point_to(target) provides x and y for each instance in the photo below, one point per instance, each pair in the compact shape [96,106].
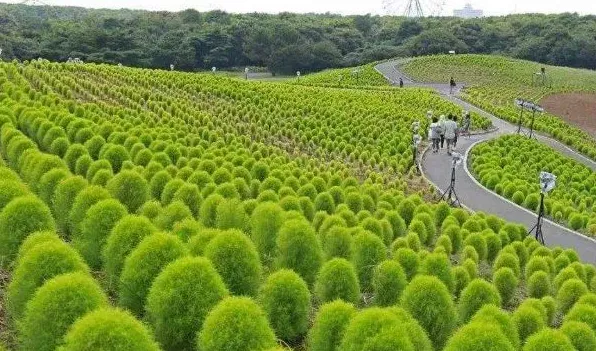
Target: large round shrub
[198,243]
[236,323]
[39,264]
[491,314]
[123,238]
[55,307]
[582,313]
[236,260]
[338,243]
[108,330]
[389,280]
[173,213]
[208,210]
[477,294]
[569,293]
[429,301]
[479,336]
[48,236]
[337,279]
[130,188]
[509,260]
[548,340]
[369,251]
[581,336]
[230,215]
[180,298]
[48,183]
[298,248]
[21,217]
[95,229]
[116,155]
[286,301]
[539,285]
[506,283]
[86,198]
[438,265]
[329,326]
[265,222]
[408,260]
[528,320]
[190,195]
[141,267]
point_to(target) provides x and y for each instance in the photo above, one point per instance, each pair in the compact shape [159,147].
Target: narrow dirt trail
[437,168]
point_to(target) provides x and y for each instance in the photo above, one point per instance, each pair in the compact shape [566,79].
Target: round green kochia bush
[581,336]
[509,260]
[265,222]
[506,283]
[108,329]
[141,267]
[338,243]
[548,340]
[286,301]
[43,237]
[39,264]
[21,217]
[298,248]
[369,251]
[230,215]
[126,234]
[462,279]
[479,336]
[173,213]
[236,260]
[236,323]
[389,281]
[158,183]
[438,265]
[477,294]
[329,326]
[130,188]
[337,279]
[490,314]
[187,228]
[55,307]
[190,195]
[180,298]
[198,243]
[408,260]
[371,323]
[86,198]
[582,313]
[539,285]
[528,321]
[95,229]
[571,291]
[62,200]
[429,301]
[48,183]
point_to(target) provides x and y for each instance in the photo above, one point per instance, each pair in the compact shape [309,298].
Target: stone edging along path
[436,170]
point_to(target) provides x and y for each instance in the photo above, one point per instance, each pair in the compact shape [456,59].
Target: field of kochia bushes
[511,165]
[149,210]
[493,83]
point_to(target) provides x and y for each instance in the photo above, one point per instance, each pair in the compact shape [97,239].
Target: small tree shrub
[528,320]
[21,217]
[461,280]
[337,280]
[490,314]
[479,336]
[506,283]
[236,323]
[55,307]
[286,301]
[477,294]
[109,330]
[298,248]
[429,301]
[265,222]
[236,260]
[141,267]
[198,243]
[173,213]
[130,188]
[180,298]
[408,260]
[438,265]
[569,293]
[86,198]
[329,326]
[539,285]
[338,243]
[231,215]
[208,211]
[369,251]
[508,260]
[37,238]
[38,264]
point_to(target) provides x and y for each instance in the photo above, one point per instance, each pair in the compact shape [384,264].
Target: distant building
[468,12]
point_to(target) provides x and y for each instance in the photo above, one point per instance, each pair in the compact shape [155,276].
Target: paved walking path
[437,168]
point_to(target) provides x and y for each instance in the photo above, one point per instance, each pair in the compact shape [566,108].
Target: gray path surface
[436,167]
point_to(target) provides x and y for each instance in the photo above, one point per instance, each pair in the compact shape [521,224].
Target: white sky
[490,7]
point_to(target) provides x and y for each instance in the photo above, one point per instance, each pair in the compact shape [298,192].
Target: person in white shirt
[435,134]
[450,133]
[442,121]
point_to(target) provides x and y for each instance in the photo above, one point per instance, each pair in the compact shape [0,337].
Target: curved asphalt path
[437,168]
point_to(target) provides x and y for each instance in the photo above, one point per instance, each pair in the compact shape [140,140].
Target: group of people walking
[446,128]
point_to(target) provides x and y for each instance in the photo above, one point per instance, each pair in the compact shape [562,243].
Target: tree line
[284,43]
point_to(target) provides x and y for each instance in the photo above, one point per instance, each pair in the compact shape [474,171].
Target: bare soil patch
[578,109]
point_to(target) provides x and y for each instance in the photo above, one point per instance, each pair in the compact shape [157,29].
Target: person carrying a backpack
[435,134]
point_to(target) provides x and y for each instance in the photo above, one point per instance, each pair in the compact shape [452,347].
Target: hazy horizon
[490,8]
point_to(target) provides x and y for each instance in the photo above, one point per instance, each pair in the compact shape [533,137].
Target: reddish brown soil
[578,109]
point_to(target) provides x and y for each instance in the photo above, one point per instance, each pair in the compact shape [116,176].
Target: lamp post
[449,194]
[547,183]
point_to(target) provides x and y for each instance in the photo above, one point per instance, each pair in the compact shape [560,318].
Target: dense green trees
[284,43]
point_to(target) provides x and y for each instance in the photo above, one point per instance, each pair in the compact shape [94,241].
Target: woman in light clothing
[442,121]
[435,134]
[450,132]
[465,128]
